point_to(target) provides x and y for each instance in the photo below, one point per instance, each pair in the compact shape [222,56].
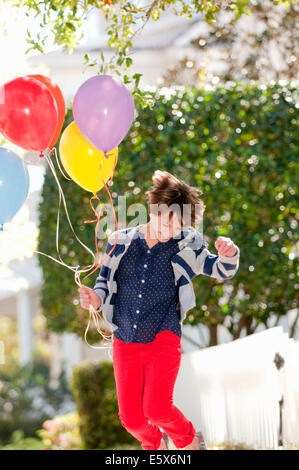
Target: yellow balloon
[82,161]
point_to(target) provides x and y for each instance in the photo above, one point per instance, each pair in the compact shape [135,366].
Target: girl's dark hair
[168,189]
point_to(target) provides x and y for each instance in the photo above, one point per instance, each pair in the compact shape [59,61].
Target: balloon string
[58,217]
[76,268]
[65,207]
[112,175]
[96,228]
[97,219]
[57,161]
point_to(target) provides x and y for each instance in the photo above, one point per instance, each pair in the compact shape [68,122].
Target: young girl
[144,290]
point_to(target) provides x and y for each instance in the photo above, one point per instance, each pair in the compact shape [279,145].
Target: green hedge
[96,401]
[239,144]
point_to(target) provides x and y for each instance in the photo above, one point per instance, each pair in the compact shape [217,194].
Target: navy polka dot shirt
[147,299]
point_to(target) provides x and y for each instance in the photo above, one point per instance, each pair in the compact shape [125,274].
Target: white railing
[231,392]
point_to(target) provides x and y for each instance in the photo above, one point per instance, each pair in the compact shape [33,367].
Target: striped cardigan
[193,259]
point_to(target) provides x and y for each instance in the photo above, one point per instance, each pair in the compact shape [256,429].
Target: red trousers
[145,374]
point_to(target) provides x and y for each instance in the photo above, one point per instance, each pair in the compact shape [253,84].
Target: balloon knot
[51,153]
[41,154]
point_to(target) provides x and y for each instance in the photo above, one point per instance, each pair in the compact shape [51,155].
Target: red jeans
[145,374]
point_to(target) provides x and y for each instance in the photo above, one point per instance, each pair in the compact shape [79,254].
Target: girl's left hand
[225,246]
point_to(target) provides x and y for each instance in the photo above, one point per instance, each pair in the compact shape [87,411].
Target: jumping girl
[144,291]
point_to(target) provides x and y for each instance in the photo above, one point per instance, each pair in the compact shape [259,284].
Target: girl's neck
[148,230]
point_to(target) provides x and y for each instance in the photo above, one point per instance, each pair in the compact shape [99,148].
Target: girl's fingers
[229,252]
[219,245]
[225,245]
[83,289]
[225,242]
[84,297]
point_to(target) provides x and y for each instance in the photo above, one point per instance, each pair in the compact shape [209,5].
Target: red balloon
[58,96]
[29,115]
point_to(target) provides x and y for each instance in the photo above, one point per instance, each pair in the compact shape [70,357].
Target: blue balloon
[14,184]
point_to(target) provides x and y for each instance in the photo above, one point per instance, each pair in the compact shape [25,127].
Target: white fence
[231,392]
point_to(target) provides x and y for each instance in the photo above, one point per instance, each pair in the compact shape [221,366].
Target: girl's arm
[220,266]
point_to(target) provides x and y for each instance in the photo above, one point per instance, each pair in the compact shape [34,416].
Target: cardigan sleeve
[101,286]
[216,266]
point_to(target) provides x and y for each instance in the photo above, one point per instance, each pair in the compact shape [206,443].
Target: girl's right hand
[88,296]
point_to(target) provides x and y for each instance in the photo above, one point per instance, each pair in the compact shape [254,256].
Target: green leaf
[70,26]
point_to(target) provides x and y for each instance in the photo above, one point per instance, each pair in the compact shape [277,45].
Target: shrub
[96,400]
[27,400]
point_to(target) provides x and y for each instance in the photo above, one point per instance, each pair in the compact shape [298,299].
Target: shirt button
[142,280]
[145,265]
[137,311]
[139,295]
[148,251]
[135,326]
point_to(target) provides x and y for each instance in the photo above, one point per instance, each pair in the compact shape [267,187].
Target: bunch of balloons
[103,111]
[32,115]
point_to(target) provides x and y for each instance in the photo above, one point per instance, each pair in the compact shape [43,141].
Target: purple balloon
[103,111]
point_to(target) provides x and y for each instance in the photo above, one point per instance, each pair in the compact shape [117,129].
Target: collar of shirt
[160,246]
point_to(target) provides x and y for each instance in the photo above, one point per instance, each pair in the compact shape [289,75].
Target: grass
[29,443]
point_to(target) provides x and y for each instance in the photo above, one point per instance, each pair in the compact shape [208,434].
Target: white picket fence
[231,392]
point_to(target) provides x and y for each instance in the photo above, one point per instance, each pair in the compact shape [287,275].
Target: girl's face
[165,225]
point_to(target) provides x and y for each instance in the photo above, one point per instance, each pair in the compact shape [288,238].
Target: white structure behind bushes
[237,391]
